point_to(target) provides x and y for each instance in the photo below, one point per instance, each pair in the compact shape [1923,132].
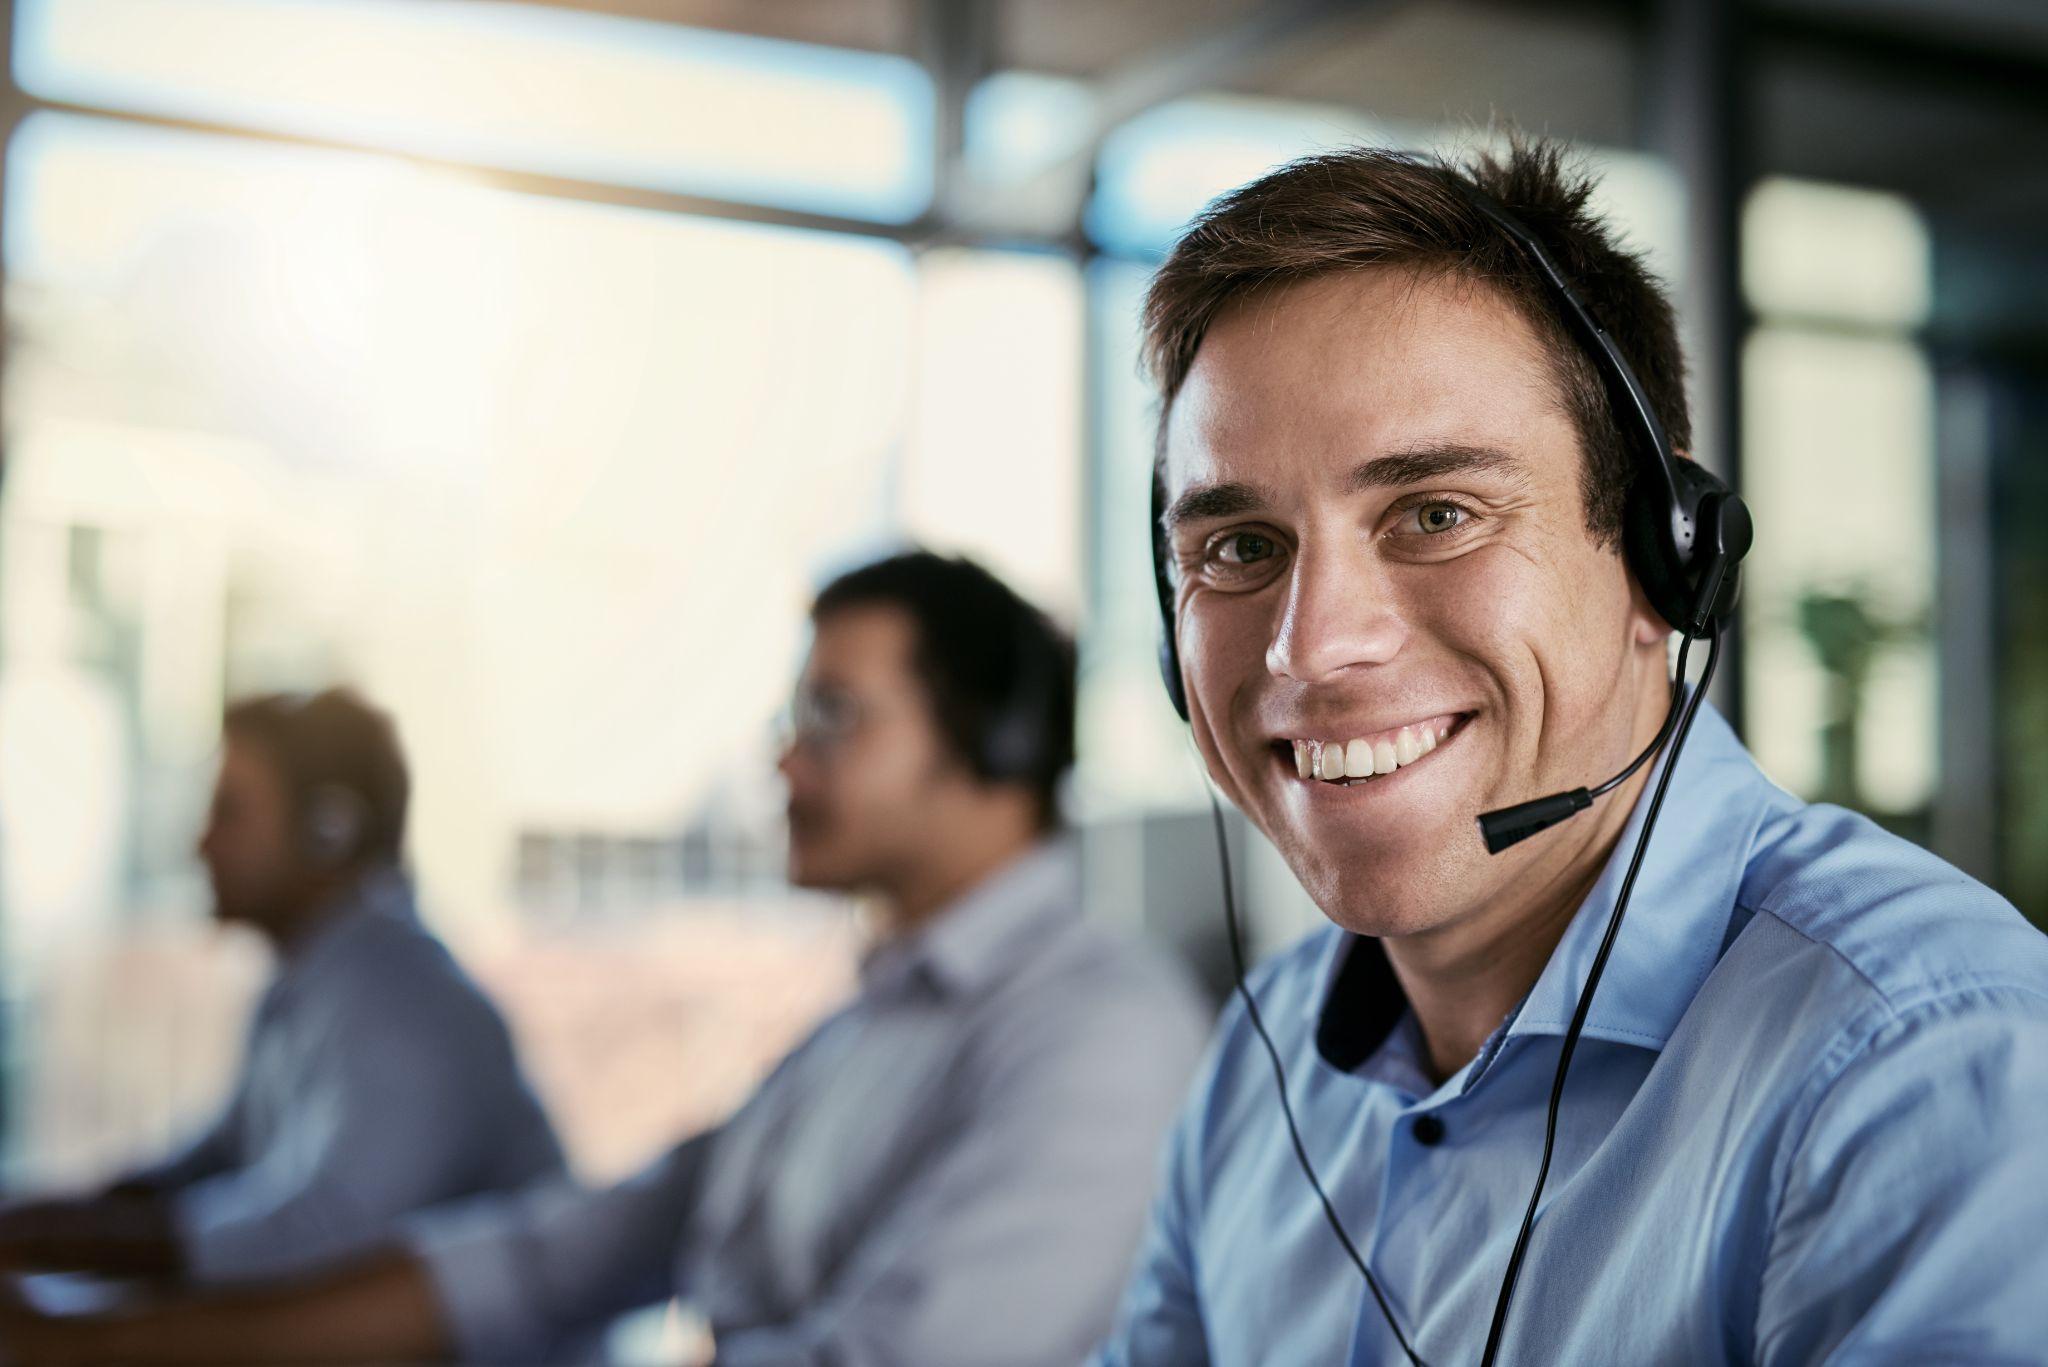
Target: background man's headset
[1684,535]
[1013,741]
[333,818]
[332,825]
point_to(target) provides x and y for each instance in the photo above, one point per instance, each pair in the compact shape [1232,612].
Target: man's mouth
[1357,759]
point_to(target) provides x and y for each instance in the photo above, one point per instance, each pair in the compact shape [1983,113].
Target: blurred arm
[518,1277]
[390,1115]
[496,1280]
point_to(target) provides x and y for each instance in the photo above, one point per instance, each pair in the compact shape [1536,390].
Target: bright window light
[524,87]
[1158,170]
[994,459]
[1833,252]
[1134,753]
[1019,122]
[281,417]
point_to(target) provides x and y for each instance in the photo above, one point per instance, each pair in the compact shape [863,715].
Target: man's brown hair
[993,666]
[1368,207]
[332,739]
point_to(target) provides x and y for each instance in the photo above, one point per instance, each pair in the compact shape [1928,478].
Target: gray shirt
[378,1081]
[952,1170]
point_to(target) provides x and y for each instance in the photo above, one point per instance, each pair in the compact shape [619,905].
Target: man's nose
[1340,613]
[796,765]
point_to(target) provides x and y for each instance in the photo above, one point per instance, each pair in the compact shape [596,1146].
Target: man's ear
[1646,625]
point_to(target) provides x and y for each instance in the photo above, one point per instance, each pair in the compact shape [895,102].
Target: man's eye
[1432,518]
[1244,548]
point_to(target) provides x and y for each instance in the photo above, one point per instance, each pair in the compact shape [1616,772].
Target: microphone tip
[1512,825]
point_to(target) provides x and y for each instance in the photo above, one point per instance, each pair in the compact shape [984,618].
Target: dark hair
[1372,207]
[332,740]
[994,666]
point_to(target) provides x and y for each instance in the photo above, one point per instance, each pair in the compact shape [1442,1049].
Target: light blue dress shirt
[1807,1122]
[378,1081]
[952,1171]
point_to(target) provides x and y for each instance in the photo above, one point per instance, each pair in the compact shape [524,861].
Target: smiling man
[1804,1119]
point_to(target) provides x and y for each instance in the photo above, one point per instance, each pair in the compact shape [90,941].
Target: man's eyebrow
[1422,464]
[1206,501]
[1416,465]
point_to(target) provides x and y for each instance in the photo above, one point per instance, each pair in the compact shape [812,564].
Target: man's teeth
[1334,761]
[1330,764]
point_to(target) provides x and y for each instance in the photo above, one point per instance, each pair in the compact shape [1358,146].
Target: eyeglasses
[820,718]
[818,721]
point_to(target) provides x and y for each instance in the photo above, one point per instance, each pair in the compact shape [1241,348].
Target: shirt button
[1428,1130]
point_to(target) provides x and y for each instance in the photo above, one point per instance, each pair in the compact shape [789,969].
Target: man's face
[249,846]
[1378,527]
[867,763]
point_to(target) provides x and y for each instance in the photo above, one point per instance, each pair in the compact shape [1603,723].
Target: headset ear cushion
[1010,750]
[333,825]
[1662,543]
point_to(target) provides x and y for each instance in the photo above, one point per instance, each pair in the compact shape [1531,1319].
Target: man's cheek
[1478,594]
[1217,675]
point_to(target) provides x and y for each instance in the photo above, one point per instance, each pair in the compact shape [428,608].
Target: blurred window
[280,417]
[992,467]
[1838,464]
[1019,123]
[520,86]
[1134,752]
[1158,170]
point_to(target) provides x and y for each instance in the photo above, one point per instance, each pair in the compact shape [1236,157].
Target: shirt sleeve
[1914,1203]
[401,1087]
[518,1277]
[1012,1240]
[1159,1323]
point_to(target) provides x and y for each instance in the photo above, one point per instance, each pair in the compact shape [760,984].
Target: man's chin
[1386,884]
[817,872]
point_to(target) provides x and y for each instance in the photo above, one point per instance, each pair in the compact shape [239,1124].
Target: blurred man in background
[378,1079]
[952,1170]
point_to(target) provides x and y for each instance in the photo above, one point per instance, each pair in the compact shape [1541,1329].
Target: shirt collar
[1677,924]
[976,939]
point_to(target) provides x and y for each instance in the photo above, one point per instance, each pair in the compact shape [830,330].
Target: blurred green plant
[1847,633]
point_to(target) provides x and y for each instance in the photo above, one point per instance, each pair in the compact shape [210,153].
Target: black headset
[1685,533]
[333,820]
[1015,741]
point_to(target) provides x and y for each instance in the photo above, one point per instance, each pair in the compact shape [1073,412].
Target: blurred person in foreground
[951,1171]
[1404,563]
[378,1080]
